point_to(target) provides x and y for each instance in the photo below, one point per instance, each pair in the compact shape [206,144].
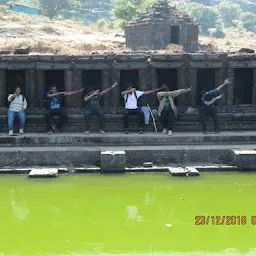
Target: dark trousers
[96,112]
[138,112]
[211,112]
[166,119]
[60,112]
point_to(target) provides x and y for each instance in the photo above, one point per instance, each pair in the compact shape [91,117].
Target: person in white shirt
[17,107]
[131,96]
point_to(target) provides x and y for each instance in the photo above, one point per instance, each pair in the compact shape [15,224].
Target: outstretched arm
[226,82]
[55,94]
[128,91]
[86,98]
[109,89]
[73,92]
[174,94]
[213,100]
[150,92]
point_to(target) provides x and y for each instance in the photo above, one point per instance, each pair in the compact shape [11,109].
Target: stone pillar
[183,83]
[231,88]
[68,84]
[115,94]
[192,82]
[144,86]
[154,84]
[254,87]
[106,84]
[78,101]
[3,93]
[41,89]
[31,93]
[220,75]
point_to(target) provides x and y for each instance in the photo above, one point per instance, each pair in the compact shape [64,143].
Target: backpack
[127,95]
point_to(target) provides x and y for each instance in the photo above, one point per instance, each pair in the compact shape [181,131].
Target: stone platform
[114,122]
[79,149]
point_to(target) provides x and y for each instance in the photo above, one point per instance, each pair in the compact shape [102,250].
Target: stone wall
[186,66]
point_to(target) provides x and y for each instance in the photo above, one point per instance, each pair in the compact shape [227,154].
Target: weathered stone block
[244,159]
[113,161]
[192,171]
[43,173]
[177,171]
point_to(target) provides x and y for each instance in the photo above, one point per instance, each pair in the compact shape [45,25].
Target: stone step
[132,139]
[135,155]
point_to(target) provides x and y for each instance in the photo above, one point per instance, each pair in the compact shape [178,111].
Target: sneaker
[11,133]
[141,130]
[87,132]
[217,132]
[164,131]
[102,132]
[50,132]
[127,131]
[55,129]
[21,131]
[170,132]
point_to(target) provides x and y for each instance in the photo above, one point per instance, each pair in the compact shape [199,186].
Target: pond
[130,214]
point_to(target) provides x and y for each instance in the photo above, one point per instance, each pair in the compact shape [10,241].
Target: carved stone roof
[161,12]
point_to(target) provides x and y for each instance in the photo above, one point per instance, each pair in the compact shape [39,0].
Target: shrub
[207,17]
[249,21]
[100,24]
[229,12]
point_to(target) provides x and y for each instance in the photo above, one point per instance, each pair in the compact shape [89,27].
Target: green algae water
[131,214]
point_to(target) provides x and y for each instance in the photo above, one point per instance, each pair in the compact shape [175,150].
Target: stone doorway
[92,80]
[15,78]
[205,81]
[243,86]
[175,34]
[54,77]
[167,76]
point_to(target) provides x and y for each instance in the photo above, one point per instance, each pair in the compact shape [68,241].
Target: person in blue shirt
[54,108]
[208,100]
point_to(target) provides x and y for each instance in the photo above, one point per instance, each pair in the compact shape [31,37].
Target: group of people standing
[166,110]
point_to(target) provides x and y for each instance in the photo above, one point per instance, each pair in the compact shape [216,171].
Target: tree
[126,10]
[51,8]
[229,12]
[206,16]
[249,21]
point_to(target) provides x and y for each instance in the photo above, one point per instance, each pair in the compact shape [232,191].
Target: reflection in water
[133,213]
[19,209]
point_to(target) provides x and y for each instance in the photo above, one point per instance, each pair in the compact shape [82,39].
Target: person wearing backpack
[17,106]
[93,107]
[131,96]
[54,108]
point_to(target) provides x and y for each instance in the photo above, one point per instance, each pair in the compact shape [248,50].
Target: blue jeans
[11,115]
[96,112]
[167,118]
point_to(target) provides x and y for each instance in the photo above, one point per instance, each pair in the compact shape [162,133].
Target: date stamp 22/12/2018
[224,220]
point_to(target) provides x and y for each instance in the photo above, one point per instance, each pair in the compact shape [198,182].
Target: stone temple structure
[35,74]
[160,26]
